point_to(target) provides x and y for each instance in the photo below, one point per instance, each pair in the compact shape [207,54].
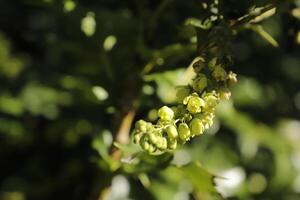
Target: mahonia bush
[194,113]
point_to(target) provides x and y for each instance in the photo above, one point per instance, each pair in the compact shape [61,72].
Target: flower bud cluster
[161,136]
[194,113]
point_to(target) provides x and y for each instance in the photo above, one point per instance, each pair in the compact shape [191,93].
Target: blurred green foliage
[71,71]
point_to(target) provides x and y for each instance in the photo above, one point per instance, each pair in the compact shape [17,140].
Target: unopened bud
[182,92]
[194,103]
[196,126]
[172,131]
[219,73]
[184,131]
[200,83]
[165,113]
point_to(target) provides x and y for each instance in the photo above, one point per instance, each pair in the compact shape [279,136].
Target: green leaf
[107,162]
[264,34]
[250,130]
[166,83]
[168,54]
[263,15]
[198,23]
[11,105]
[256,14]
[129,151]
[202,181]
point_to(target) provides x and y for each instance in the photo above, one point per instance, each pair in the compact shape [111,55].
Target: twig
[122,134]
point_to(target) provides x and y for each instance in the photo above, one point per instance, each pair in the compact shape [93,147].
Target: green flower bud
[172,131]
[219,73]
[207,120]
[137,137]
[172,143]
[159,142]
[211,100]
[149,127]
[141,125]
[144,143]
[164,144]
[182,92]
[151,148]
[197,112]
[153,138]
[165,113]
[194,103]
[196,126]
[184,131]
[200,83]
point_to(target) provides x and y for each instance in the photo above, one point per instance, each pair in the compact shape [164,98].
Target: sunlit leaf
[263,16]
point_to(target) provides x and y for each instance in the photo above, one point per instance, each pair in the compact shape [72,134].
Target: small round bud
[144,143]
[165,113]
[211,100]
[137,137]
[172,143]
[184,131]
[196,126]
[194,104]
[159,142]
[172,131]
[149,127]
[153,138]
[182,92]
[219,73]
[200,83]
[164,144]
[151,148]
[141,125]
